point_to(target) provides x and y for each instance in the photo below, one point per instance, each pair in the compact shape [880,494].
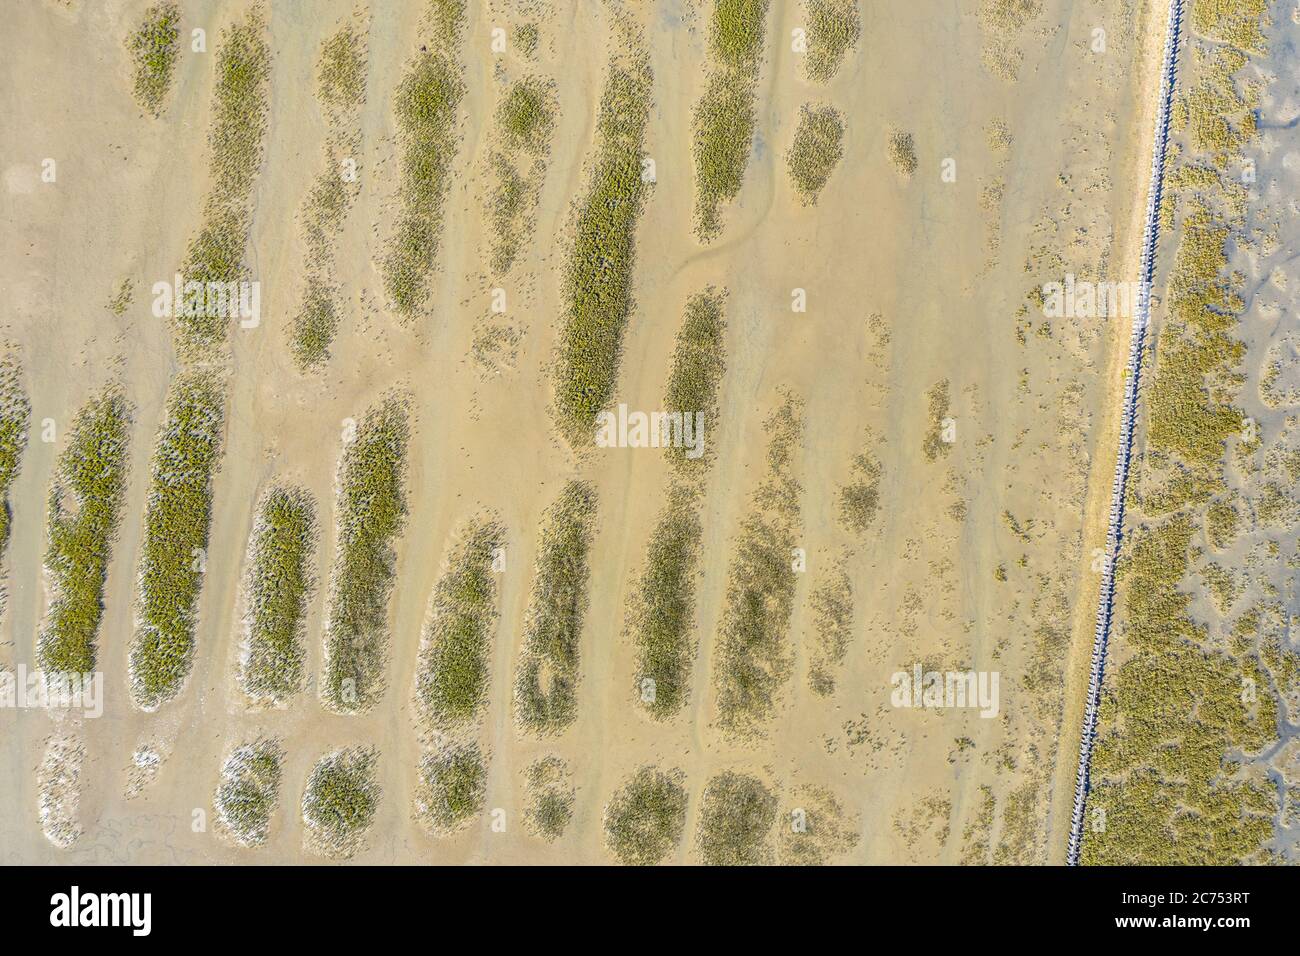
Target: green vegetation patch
[249,790]
[153,48]
[84,510]
[833,29]
[452,789]
[818,829]
[662,616]
[940,405]
[341,90]
[525,119]
[371,513]
[315,324]
[752,655]
[645,818]
[427,102]
[546,686]
[902,152]
[699,360]
[526,115]
[831,604]
[279,584]
[550,798]
[15,413]
[340,799]
[452,681]
[235,142]
[341,70]
[1238,22]
[724,116]
[176,524]
[737,814]
[860,497]
[817,149]
[598,277]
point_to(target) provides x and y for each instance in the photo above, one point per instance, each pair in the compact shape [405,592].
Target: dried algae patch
[427,103]
[85,508]
[371,513]
[153,47]
[833,29]
[452,676]
[452,788]
[249,791]
[817,149]
[598,277]
[737,816]
[546,686]
[550,798]
[177,520]
[724,116]
[339,801]
[645,818]
[278,584]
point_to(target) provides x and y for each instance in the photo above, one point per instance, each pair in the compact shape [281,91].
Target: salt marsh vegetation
[279,582]
[85,507]
[370,514]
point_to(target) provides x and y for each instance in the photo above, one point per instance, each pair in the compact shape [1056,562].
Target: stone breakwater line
[1115,528]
